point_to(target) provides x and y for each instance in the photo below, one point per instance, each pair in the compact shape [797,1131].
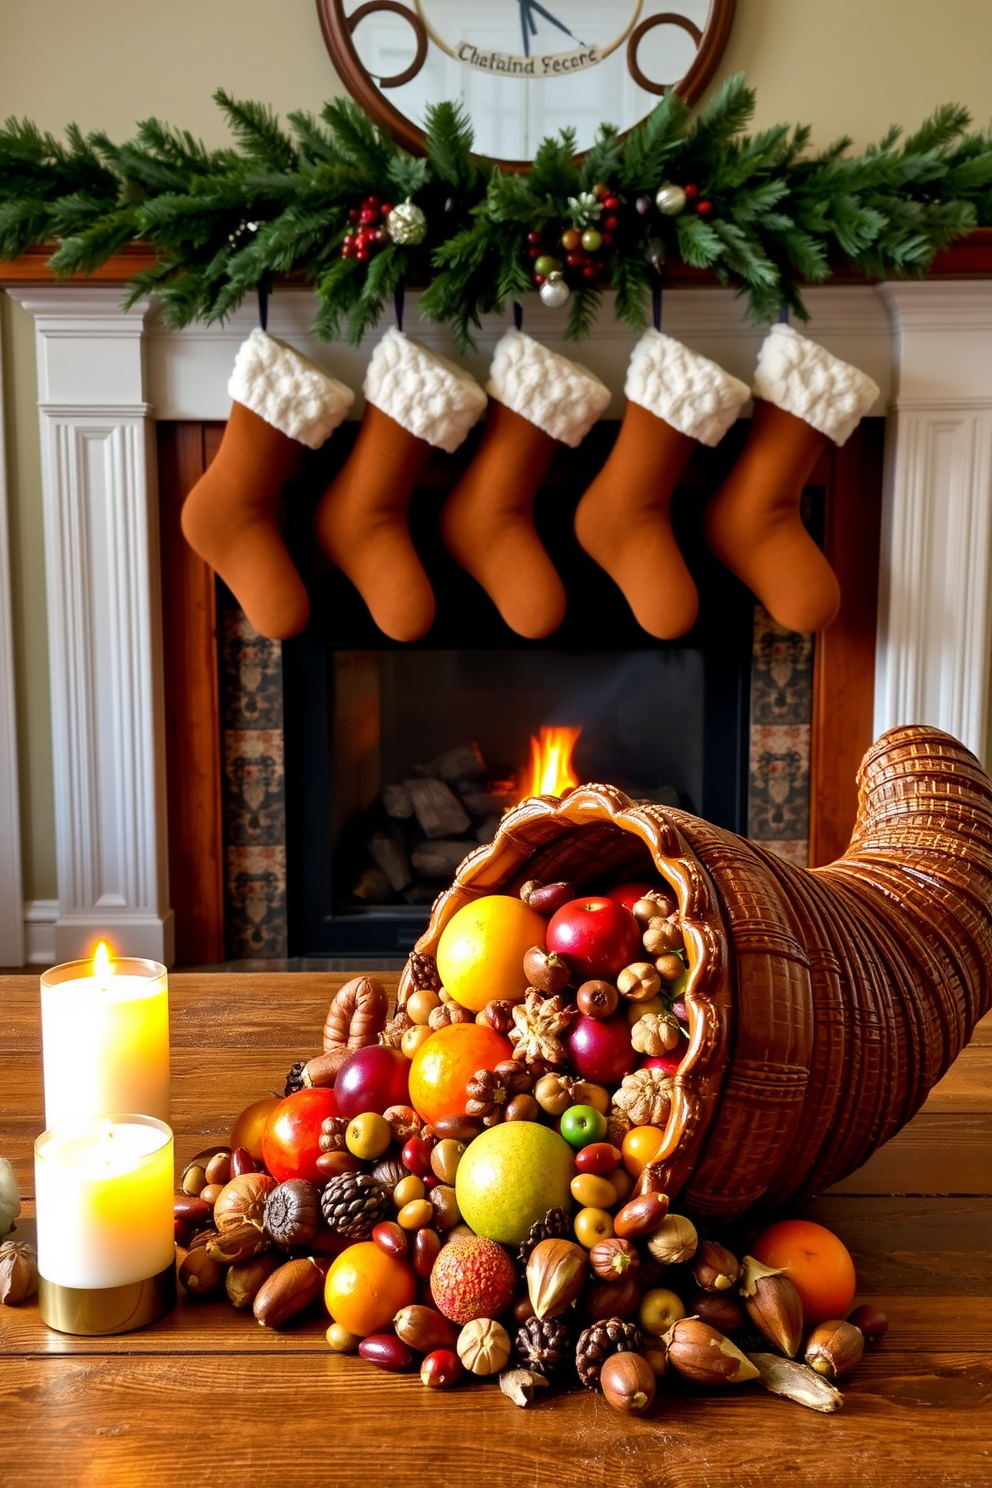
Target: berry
[371,202]
[610,224]
[571,239]
[538,278]
[589,271]
[367,214]
[574,260]
[691,192]
[353,215]
[534,237]
[607,239]
[472,1278]
[610,203]
[591,240]
[545,265]
[599,190]
[386,208]
[534,254]
[704,207]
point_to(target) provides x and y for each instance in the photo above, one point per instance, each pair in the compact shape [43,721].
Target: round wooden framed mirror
[522,69]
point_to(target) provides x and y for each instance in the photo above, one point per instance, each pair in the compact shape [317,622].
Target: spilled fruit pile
[474,1184]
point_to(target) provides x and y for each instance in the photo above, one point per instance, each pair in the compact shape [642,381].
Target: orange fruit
[445,1063]
[247,1130]
[639,1147]
[365,1288]
[817,1263]
[480,954]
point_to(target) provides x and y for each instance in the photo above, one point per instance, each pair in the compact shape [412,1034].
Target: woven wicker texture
[823,1004]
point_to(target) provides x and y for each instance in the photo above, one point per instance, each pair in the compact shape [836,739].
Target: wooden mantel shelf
[970,258]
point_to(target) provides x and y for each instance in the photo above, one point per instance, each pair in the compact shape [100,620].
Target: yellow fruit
[481,951]
[509,1178]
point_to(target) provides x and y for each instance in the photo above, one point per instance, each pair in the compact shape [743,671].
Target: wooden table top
[208,1397]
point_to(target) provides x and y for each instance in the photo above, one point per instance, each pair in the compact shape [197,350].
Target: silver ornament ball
[406,224]
[554,291]
[670,199]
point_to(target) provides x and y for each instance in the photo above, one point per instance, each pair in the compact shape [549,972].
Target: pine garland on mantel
[758,210]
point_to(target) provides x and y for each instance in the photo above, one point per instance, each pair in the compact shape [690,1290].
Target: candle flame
[551,772]
[106,1129]
[102,968]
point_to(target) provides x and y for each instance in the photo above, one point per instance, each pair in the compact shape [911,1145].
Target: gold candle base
[96,1311]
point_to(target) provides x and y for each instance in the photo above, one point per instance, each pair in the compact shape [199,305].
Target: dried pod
[237,1244]
[705,1355]
[773,1305]
[645,1097]
[18,1272]
[639,982]
[483,1346]
[546,898]
[287,1291]
[244,1278]
[292,1212]
[793,1380]
[199,1273]
[674,1241]
[242,1201]
[628,1382]
[833,1348]
[391,1036]
[521,1385]
[425,1329]
[640,1216]
[556,1272]
[612,1259]
[872,1322]
[356,1016]
[714,1268]
[545,970]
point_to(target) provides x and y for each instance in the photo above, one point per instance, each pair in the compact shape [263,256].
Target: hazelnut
[628,1382]
[773,1305]
[639,982]
[674,1240]
[655,905]
[714,1268]
[546,898]
[833,1348]
[661,935]
[669,967]
[703,1354]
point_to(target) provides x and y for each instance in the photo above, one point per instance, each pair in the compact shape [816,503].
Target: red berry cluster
[696,203]
[367,231]
[578,248]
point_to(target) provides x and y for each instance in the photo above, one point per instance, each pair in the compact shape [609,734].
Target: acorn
[773,1305]
[703,1354]
[628,1382]
[833,1348]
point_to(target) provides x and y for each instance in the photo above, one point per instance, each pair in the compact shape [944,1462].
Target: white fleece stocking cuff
[424,393]
[802,378]
[685,389]
[560,397]
[288,390]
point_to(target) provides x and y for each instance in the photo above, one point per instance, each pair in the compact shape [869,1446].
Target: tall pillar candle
[105,1039]
[106,1252]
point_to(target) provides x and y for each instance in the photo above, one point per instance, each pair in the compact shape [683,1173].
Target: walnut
[655,1033]
[499,1015]
[449,1012]
[490,1090]
[538,1023]
[645,1097]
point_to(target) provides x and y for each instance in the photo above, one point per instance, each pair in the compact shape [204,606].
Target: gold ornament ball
[670,199]
[554,291]
[406,224]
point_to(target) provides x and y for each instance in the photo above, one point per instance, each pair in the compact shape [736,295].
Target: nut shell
[556,1273]
[773,1305]
[833,1348]
[242,1201]
[704,1355]
[628,1382]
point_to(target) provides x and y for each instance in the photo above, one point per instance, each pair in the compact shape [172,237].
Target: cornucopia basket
[823,1004]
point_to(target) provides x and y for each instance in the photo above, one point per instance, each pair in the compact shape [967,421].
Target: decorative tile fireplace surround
[105,377]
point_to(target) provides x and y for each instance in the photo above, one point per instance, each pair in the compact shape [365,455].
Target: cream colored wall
[844,66]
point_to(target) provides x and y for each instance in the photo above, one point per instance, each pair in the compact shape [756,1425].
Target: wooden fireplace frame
[843,686]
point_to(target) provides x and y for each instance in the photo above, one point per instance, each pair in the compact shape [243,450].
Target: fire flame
[102,969]
[551,772]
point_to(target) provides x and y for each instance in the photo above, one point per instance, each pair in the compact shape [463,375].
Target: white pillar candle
[105,1039]
[104,1197]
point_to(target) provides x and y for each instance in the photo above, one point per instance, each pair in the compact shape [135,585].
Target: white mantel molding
[104,622]
[11,885]
[103,376]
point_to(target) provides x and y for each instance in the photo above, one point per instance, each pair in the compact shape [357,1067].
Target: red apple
[372,1079]
[600,1048]
[291,1137]
[595,938]
[628,894]
[667,1063]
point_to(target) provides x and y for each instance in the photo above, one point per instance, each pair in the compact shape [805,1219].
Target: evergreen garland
[764,214]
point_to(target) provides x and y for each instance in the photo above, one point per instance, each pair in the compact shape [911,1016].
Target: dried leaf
[796,1382]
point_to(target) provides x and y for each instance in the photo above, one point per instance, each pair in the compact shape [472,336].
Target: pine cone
[294,1079]
[544,1345]
[354,1203]
[423,971]
[596,1344]
[489,1090]
[555,1225]
[332,1130]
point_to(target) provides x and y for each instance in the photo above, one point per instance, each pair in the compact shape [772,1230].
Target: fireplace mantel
[104,377]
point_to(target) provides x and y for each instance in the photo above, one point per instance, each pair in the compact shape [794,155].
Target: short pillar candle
[106,1250]
[105,1038]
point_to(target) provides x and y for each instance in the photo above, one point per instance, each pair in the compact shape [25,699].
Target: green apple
[581,1125]
[509,1178]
